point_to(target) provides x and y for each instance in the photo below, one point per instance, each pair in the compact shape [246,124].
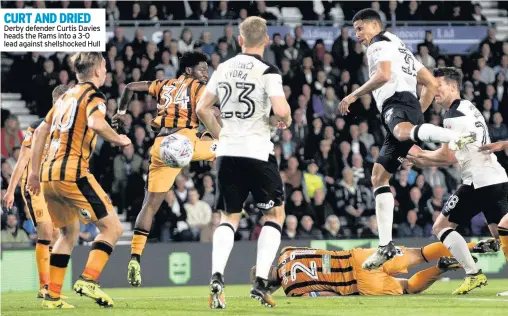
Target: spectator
[362,75]
[12,234]
[169,70]
[229,38]
[377,7]
[129,59]
[330,68]
[312,181]
[208,192]
[299,127]
[487,110]
[281,161]
[199,213]
[223,50]
[498,130]
[424,57]
[433,208]
[392,17]
[261,8]
[433,13]
[491,95]
[342,47]
[371,230]
[11,136]
[365,137]
[257,229]
[361,175]
[414,12]
[181,192]
[321,207]
[185,43]
[297,206]
[223,13]
[503,69]
[307,230]
[410,228]
[14,157]
[153,14]
[457,14]
[489,57]
[300,43]
[136,12]
[355,59]
[477,14]
[290,232]
[487,75]
[288,145]
[326,161]
[433,49]
[208,46]
[434,177]
[332,229]
[167,38]
[501,89]
[124,165]
[207,231]
[139,43]
[331,103]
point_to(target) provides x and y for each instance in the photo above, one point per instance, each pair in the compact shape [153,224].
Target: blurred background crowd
[325,159]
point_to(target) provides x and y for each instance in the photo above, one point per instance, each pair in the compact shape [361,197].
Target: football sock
[57,268]
[268,245]
[437,250]
[422,280]
[458,248]
[430,133]
[42,259]
[97,259]
[503,236]
[223,240]
[384,213]
[138,243]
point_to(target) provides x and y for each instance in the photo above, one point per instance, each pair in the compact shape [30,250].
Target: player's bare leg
[151,205]
[110,230]
[268,245]
[445,231]
[223,240]
[59,260]
[384,215]
[45,237]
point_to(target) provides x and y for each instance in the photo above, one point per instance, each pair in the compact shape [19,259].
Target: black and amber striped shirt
[305,270]
[176,101]
[71,141]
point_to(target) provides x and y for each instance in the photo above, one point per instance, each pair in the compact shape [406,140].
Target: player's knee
[438,227]
[277,214]
[402,131]
[44,231]
[378,180]
[116,230]
[504,221]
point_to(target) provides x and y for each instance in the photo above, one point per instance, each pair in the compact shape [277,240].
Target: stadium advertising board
[176,264]
[450,39]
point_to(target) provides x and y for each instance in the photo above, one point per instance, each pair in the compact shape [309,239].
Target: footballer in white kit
[393,77]
[247,88]
[484,185]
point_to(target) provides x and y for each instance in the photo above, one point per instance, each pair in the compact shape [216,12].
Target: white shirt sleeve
[273,85]
[211,86]
[379,51]
[418,65]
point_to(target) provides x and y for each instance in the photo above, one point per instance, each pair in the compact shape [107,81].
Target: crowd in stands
[325,159]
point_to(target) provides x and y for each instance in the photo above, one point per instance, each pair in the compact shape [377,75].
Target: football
[176,150]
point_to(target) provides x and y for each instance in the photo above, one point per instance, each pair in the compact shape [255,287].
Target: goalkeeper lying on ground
[312,272]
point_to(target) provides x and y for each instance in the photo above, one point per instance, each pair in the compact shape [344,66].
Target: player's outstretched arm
[380,77]
[101,127]
[430,85]
[127,93]
[19,167]
[427,158]
[490,148]
[206,113]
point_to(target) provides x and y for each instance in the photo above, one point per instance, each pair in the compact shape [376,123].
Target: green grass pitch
[194,301]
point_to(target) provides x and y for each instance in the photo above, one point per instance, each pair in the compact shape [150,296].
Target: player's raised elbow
[383,77]
[42,130]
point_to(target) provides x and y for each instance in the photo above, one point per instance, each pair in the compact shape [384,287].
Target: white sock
[458,247]
[223,240]
[268,245]
[431,133]
[384,213]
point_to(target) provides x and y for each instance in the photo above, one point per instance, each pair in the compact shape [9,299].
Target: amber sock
[42,259]
[97,259]
[422,280]
[437,250]
[503,236]
[138,243]
[57,268]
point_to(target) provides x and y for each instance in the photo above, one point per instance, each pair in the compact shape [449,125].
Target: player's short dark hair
[192,59]
[367,14]
[450,74]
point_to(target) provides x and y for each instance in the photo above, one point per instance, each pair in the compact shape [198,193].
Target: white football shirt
[477,168]
[404,66]
[244,85]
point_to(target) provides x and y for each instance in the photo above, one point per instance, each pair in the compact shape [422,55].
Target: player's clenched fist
[123,141]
